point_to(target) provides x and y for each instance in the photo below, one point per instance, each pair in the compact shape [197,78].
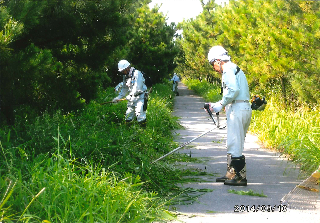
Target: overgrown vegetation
[294,133]
[56,189]
[89,165]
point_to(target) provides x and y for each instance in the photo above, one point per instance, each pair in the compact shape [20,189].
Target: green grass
[248,193]
[72,192]
[89,166]
[295,134]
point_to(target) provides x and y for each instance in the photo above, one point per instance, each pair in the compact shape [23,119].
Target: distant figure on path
[175,80]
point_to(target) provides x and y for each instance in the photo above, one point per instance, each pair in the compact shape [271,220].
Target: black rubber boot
[239,179]
[230,171]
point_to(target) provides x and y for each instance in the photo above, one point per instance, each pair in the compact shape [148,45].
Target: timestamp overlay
[260,208]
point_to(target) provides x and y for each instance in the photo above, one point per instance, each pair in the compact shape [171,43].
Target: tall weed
[93,166]
[73,192]
[295,133]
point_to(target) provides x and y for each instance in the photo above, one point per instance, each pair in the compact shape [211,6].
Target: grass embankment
[89,166]
[293,133]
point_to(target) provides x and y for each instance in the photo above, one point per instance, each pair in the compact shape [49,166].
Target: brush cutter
[108,102]
[216,123]
[123,99]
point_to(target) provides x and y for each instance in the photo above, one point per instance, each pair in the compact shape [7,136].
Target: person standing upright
[235,99]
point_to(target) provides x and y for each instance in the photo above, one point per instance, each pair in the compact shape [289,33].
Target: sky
[177,10]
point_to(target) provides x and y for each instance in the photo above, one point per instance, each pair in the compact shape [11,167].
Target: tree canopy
[276,43]
[56,54]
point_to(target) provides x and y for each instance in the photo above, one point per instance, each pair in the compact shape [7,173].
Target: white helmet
[123,64]
[218,52]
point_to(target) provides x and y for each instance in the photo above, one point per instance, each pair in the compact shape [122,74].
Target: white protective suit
[175,80]
[236,98]
[134,89]
[118,87]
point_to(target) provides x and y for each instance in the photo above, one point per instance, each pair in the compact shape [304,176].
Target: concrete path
[267,173]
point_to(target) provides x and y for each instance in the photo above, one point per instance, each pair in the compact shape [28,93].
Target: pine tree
[276,43]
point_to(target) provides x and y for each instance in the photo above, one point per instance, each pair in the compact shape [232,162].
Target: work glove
[129,97]
[207,106]
[216,107]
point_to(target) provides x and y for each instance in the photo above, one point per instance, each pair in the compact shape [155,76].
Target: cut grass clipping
[249,193]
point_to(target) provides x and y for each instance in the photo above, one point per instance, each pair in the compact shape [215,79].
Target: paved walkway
[267,172]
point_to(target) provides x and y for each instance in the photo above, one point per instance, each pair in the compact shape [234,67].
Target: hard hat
[218,52]
[123,64]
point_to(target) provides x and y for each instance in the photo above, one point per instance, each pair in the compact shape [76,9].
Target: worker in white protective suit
[235,99]
[175,80]
[135,91]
